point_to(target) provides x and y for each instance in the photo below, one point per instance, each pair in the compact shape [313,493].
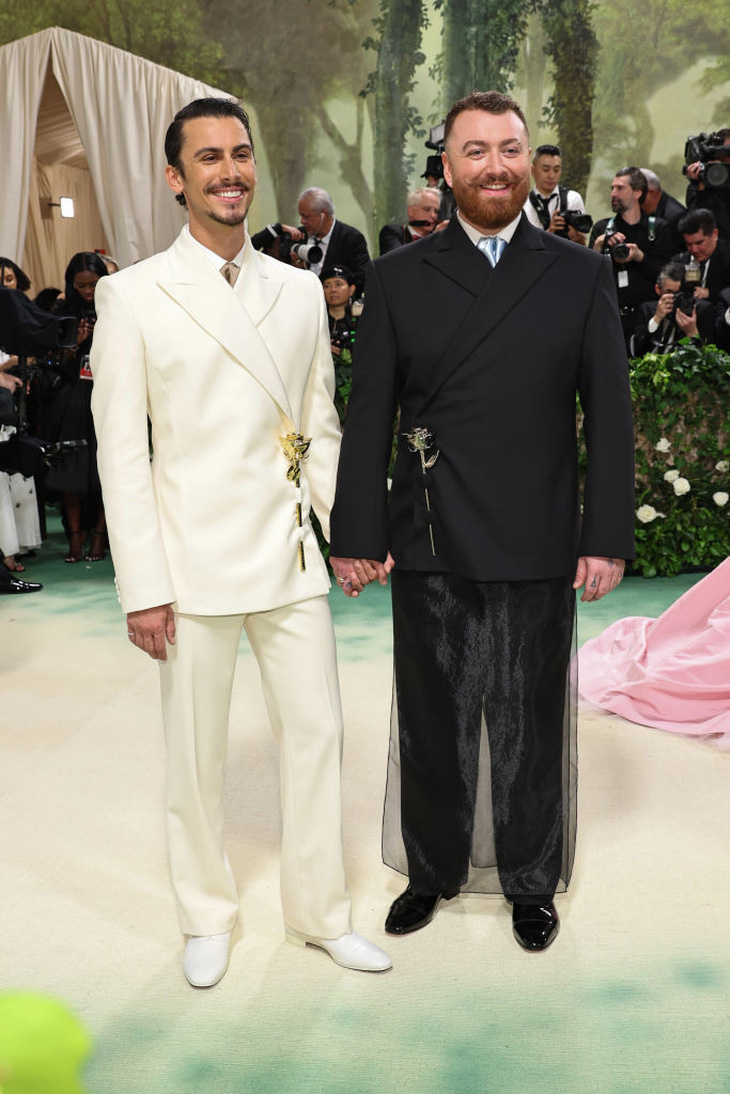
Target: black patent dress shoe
[534,926]
[15,585]
[411,911]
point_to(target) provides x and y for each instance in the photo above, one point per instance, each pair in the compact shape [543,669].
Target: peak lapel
[230,315]
[522,264]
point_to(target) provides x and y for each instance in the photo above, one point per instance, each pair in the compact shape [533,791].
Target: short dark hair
[201,108]
[210,107]
[491,102]
[699,220]
[547,150]
[636,177]
[21,279]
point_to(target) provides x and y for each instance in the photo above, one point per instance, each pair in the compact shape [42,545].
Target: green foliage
[168,32]
[399,27]
[682,424]
[481,44]
[572,47]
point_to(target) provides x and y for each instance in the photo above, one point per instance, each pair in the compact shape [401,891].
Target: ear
[447,167]
[174,179]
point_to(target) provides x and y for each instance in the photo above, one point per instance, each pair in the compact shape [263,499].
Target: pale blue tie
[492,247]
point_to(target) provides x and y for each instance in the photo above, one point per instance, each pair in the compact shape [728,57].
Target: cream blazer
[210,524]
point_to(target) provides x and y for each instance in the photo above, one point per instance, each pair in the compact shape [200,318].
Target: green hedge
[682,425]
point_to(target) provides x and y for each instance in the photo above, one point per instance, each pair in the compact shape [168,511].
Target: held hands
[151,629]
[599,575]
[353,574]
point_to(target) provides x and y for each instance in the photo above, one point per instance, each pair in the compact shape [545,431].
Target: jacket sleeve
[321,422]
[360,516]
[119,405]
[605,396]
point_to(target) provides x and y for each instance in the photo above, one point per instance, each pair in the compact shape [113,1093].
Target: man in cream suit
[227,351]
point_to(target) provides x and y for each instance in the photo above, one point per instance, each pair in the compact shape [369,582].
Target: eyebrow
[486,144]
[211,148]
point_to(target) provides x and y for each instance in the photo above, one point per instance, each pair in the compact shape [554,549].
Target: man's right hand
[664,306]
[151,629]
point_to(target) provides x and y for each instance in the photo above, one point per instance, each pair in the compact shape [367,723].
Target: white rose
[647,513]
[681,486]
[720,498]
[671,476]
[722,465]
[663,445]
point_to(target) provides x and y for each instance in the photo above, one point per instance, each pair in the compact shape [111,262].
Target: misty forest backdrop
[342,92]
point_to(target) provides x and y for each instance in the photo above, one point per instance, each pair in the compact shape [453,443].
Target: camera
[343,338]
[708,149]
[311,253]
[582,222]
[683,301]
[618,250]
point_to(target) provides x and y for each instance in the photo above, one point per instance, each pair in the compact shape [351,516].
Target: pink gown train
[673,672]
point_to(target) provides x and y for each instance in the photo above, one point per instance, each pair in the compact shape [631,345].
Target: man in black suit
[702,243]
[339,243]
[482,530]
[657,202]
[423,216]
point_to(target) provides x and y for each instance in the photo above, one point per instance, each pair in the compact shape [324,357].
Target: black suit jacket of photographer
[718,275]
[641,275]
[645,341]
[490,361]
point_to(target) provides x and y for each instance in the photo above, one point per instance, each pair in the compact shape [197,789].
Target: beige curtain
[23,67]
[52,240]
[121,106]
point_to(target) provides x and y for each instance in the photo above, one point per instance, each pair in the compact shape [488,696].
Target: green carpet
[632,996]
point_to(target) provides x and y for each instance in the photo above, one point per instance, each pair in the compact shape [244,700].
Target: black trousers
[464,649]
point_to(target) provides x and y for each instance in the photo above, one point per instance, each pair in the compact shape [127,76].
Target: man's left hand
[599,575]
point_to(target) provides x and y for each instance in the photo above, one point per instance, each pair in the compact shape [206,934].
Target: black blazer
[393,236]
[490,362]
[348,247]
[718,277]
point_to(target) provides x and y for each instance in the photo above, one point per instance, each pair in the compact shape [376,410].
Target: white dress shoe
[206,959]
[349,950]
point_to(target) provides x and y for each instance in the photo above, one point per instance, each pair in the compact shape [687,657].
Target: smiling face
[217,175]
[487,165]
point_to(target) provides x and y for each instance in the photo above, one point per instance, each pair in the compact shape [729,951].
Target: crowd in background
[670,262]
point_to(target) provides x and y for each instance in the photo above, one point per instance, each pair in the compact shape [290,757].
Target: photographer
[639,245]
[339,289]
[657,202]
[553,207]
[707,167]
[661,324]
[423,218]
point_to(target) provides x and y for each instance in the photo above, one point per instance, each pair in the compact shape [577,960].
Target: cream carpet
[633,996]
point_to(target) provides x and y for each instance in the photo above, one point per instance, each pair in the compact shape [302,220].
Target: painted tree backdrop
[343,91]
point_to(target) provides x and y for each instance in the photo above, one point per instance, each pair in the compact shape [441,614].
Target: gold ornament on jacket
[295,447]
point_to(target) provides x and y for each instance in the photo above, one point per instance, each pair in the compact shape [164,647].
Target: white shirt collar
[213,258]
[505,233]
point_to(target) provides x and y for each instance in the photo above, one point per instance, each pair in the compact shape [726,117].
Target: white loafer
[349,950]
[206,959]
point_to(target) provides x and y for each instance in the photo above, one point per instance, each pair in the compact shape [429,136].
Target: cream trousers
[295,650]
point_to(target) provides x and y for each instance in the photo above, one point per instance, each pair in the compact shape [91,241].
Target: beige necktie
[230,272]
